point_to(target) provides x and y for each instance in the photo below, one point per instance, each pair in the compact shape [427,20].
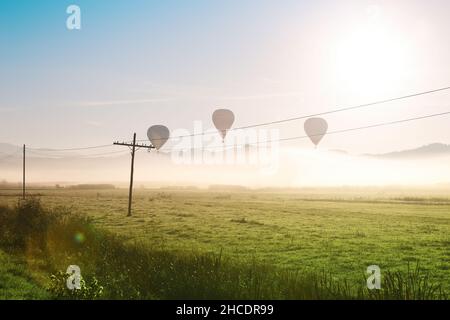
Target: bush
[31,223]
[7,236]
[25,225]
[89,289]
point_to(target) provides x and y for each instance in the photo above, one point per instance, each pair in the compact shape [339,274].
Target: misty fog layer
[284,167]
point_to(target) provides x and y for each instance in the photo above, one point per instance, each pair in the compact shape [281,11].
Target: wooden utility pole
[23,174]
[133,147]
[130,192]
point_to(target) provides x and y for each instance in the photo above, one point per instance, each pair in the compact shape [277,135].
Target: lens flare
[79,237]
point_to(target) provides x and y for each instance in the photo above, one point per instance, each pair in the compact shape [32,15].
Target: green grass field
[16,281]
[339,232]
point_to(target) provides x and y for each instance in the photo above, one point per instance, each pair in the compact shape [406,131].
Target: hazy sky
[138,63]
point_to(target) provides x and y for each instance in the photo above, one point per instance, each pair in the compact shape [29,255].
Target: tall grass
[113,268]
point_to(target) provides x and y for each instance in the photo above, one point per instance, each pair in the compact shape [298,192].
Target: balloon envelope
[316,128]
[223,120]
[158,135]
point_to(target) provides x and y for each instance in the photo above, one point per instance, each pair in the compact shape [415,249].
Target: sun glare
[373,58]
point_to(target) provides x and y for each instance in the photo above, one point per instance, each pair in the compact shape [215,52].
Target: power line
[71,149]
[97,155]
[83,156]
[264,123]
[304,136]
[92,156]
[360,106]
[336,131]
[348,108]
[378,124]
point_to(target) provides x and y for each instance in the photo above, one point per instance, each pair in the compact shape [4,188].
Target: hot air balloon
[223,120]
[316,128]
[158,135]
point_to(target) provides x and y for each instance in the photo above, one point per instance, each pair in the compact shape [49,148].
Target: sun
[374,57]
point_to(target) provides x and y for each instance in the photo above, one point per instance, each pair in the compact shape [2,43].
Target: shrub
[89,289]
[25,225]
[7,217]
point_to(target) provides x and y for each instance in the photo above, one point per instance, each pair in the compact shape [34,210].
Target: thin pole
[23,175]
[130,195]
[133,150]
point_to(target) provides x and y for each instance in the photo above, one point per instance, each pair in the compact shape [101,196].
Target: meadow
[334,232]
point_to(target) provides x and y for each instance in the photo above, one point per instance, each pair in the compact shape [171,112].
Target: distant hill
[92,186]
[6,148]
[225,187]
[158,168]
[430,150]
[338,151]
